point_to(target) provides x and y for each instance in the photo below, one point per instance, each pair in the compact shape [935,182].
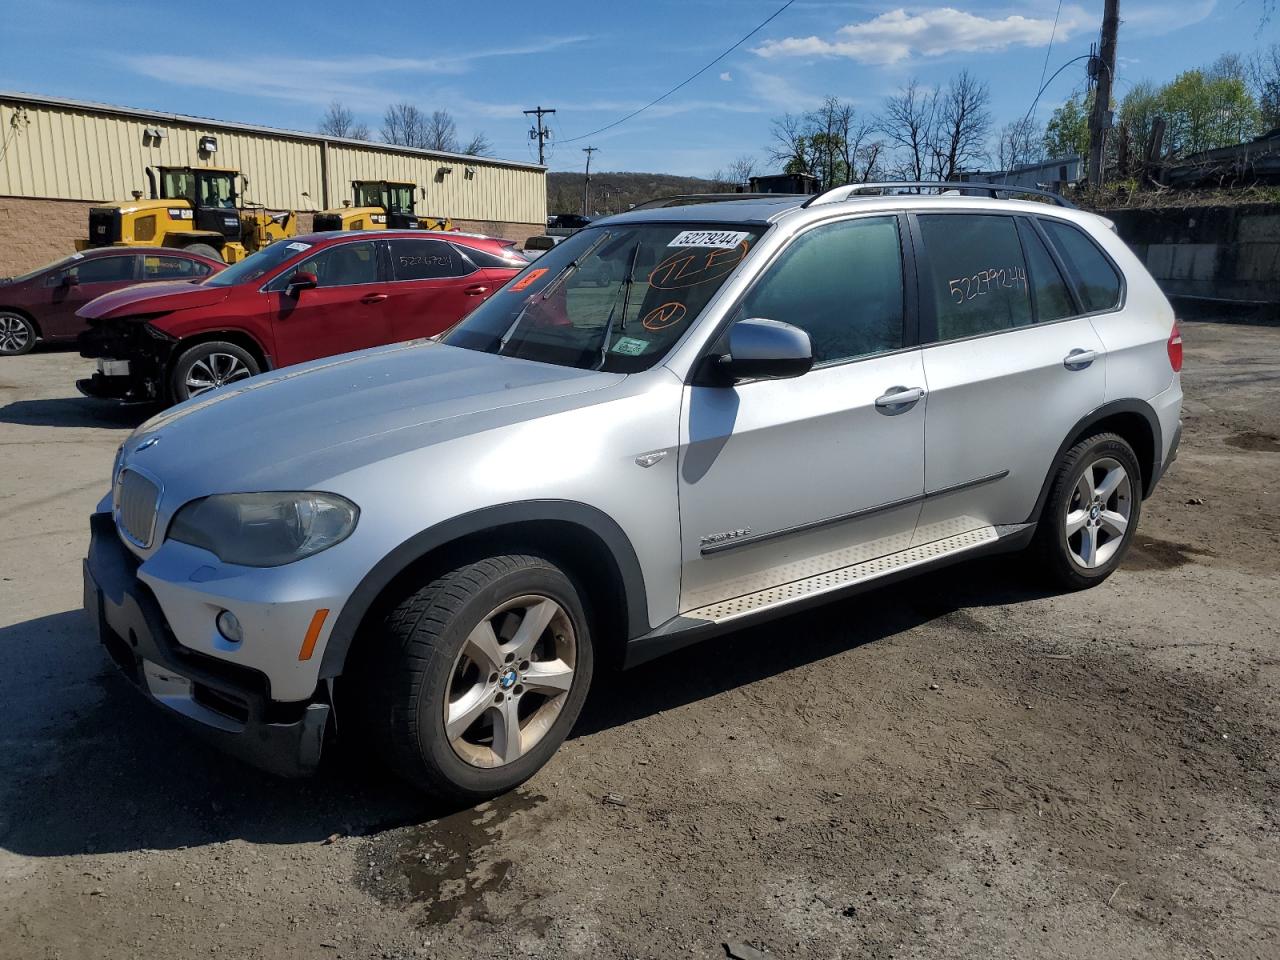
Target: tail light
[1175,348]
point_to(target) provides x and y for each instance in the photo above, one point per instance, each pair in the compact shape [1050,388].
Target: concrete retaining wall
[1208,253]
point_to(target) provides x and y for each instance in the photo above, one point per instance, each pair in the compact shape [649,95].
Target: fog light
[230,627]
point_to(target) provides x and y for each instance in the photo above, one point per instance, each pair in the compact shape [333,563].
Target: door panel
[95,276]
[434,287]
[346,312]
[775,465]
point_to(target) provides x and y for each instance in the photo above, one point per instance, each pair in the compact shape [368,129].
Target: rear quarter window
[1096,280]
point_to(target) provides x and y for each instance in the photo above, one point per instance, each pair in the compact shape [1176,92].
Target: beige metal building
[59,157]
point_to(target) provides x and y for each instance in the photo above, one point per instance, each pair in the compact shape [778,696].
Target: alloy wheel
[1098,513]
[15,335]
[510,681]
[215,370]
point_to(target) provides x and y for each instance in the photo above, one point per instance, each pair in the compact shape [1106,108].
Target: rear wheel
[17,334]
[472,682]
[207,366]
[1092,512]
[204,250]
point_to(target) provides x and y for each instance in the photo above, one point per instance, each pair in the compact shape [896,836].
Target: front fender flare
[590,519]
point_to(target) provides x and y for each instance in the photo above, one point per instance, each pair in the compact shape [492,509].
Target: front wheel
[1092,512]
[207,366]
[17,334]
[204,250]
[471,683]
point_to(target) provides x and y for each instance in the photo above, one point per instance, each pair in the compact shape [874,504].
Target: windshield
[48,266]
[217,190]
[257,266]
[401,197]
[609,298]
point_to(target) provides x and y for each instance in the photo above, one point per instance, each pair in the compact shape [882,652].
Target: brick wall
[36,232]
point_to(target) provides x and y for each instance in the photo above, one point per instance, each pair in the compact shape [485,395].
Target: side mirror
[69,279]
[301,281]
[765,350]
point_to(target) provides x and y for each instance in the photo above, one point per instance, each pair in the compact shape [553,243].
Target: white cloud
[898,35]
[727,77]
[1154,20]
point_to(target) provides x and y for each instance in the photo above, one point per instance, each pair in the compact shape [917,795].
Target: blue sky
[281,63]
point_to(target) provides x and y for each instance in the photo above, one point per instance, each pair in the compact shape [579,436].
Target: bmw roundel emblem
[149,442]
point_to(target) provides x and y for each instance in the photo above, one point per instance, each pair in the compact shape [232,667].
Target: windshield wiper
[626,301]
[572,266]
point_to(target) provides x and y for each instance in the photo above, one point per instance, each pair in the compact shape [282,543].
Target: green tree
[1204,112]
[1067,131]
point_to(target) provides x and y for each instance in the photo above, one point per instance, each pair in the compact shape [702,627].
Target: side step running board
[922,555]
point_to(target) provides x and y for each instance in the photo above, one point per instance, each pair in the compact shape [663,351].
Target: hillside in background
[616,192]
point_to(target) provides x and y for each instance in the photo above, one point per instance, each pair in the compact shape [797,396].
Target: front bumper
[226,704]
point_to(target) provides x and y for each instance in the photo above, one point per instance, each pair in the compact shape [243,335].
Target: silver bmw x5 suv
[678,421]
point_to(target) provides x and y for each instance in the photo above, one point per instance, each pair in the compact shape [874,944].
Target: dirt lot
[957,767]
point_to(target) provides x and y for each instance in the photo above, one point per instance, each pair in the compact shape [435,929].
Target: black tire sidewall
[438,755]
[188,357]
[31,335]
[1082,457]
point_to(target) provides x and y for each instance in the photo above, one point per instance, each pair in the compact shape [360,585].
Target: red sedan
[319,295]
[42,304]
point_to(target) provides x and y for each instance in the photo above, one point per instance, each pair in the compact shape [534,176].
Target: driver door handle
[373,298]
[898,399]
[476,290]
[1079,359]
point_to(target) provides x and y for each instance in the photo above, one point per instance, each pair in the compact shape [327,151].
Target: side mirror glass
[69,279]
[765,350]
[301,281]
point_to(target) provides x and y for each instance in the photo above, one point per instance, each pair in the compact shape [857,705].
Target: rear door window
[172,268]
[978,275]
[1095,278]
[427,260]
[1049,290]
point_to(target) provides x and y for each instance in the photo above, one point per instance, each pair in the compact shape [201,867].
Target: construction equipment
[196,208]
[379,205]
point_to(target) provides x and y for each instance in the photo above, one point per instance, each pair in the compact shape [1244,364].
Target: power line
[1052,33]
[760,26]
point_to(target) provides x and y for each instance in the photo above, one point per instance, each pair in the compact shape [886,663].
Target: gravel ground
[958,766]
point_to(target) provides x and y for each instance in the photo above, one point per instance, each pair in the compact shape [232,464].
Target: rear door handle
[373,298]
[476,290]
[898,399]
[1078,359]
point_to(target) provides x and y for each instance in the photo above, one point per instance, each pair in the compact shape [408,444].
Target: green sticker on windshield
[629,346]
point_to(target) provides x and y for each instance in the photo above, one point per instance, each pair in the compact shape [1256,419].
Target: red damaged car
[303,299]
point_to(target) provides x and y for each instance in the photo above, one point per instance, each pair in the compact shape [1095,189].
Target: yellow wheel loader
[379,205]
[197,208]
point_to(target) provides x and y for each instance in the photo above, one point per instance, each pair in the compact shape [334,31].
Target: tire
[207,366]
[204,250]
[17,334]
[1079,538]
[426,661]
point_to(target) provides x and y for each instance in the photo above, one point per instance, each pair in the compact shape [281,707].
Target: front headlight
[265,529]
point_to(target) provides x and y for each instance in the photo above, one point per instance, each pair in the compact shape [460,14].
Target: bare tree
[478,146]
[742,168]
[791,145]
[404,125]
[1018,143]
[962,122]
[908,121]
[338,121]
[440,132]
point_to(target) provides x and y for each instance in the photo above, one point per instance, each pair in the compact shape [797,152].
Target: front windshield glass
[609,298]
[48,266]
[257,266]
[401,197]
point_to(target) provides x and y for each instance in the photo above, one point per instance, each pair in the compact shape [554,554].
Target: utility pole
[586,184]
[1103,70]
[541,134]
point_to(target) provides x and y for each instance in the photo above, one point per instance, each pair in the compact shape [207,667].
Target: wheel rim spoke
[508,742]
[464,712]
[1084,488]
[1110,483]
[1076,520]
[482,647]
[550,676]
[536,619]
[1089,546]
[1114,523]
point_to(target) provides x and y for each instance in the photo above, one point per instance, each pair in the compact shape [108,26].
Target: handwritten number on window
[963,289]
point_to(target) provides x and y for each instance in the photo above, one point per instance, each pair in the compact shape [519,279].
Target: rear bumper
[225,704]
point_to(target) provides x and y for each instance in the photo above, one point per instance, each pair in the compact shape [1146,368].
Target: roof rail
[892,187]
[687,198]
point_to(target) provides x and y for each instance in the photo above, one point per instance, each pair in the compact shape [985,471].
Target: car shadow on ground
[112,774]
[75,412]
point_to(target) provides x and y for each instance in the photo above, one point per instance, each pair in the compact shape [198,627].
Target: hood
[149,299]
[296,428]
